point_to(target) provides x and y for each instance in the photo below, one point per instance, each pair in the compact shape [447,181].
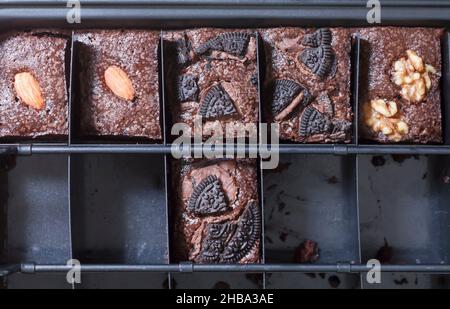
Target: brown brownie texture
[213,74]
[381,48]
[42,58]
[307,83]
[216,212]
[105,110]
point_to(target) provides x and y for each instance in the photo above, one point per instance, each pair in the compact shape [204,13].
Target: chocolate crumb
[424,176]
[332,180]
[378,161]
[271,187]
[334,281]
[283,237]
[221,285]
[384,254]
[400,158]
[401,281]
[307,252]
[322,275]
[256,279]
[311,275]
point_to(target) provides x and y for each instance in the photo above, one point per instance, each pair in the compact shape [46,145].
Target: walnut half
[378,115]
[412,75]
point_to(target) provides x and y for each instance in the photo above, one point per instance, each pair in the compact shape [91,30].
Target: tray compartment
[119,214]
[311,197]
[404,200]
[35,200]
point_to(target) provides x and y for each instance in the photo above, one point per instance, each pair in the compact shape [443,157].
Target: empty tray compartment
[311,197]
[119,216]
[404,212]
[35,206]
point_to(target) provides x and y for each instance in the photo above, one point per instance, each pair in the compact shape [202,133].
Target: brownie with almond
[216,212]
[400,95]
[307,83]
[213,79]
[33,85]
[118,84]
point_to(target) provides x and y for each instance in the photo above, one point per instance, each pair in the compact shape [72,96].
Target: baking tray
[103,230]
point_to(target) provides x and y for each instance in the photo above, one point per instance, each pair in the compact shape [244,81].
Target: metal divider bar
[31,268]
[259,63]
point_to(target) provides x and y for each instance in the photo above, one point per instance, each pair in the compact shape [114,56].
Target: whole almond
[28,90]
[119,83]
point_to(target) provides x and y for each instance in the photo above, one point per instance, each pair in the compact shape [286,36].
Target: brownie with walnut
[118,83]
[212,74]
[216,212]
[33,85]
[400,94]
[307,83]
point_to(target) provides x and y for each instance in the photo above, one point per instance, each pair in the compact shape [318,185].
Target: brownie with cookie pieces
[212,79]
[216,212]
[307,83]
[401,95]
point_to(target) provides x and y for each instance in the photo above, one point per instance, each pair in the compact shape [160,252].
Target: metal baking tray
[106,203]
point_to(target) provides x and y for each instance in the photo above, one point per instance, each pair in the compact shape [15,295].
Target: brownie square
[33,85]
[400,85]
[119,84]
[307,83]
[213,75]
[216,213]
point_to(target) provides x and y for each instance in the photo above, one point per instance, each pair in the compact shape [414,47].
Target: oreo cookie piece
[319,60]
[183,48]
[233,43]
[229,242]
[208,197]
[313,122]
[187,88]
[217,103]
[214,243]
[324,100]
[248,233]
[320,37]
[284,92]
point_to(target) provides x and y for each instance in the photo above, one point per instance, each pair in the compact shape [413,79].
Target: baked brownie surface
[213,74]
[103,112]
[381,49]
[307,83]
[42,56]
[216,211]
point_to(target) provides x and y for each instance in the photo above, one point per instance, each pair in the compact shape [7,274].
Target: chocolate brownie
[118,77]
[216,212]
[400,92]
[33,85]
[307,83]
[213,75]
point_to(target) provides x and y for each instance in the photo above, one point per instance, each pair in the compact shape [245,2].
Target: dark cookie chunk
[254,80]
[234,43]
[230,242]
[247,234]
[187,88]
[183,49]
[208,197]
[314,122]
[319,37]
[214,244]
[319,60]
[341,126]
[324,100]
[284,93]
[217,103]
